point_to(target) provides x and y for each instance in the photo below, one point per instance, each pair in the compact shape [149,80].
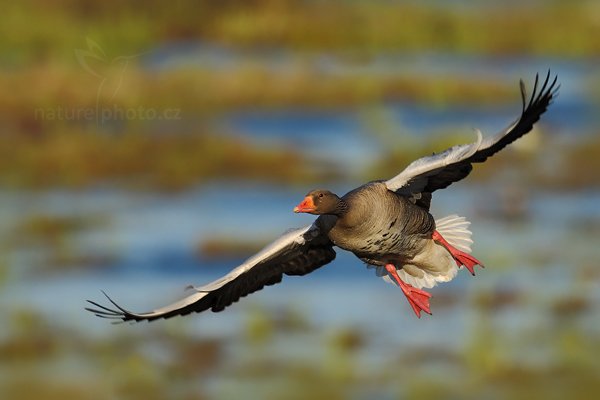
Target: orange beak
[307,205]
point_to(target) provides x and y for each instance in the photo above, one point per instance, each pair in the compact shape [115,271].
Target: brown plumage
[386,224]
[377,225]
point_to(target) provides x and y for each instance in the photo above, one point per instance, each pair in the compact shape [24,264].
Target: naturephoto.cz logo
[110,75]
[105,114]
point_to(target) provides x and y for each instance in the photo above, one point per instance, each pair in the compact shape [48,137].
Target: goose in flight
[386,224]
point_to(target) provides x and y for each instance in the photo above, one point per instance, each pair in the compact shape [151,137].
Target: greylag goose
[386,224]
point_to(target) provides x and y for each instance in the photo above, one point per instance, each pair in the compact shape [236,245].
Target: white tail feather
[455,230]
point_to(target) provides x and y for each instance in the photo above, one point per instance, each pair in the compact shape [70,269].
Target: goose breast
[379,223]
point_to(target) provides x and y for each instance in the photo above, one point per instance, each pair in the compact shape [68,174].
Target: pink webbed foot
[460,257]
[417,298]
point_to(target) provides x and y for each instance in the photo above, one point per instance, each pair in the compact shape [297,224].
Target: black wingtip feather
[543,89]
[554,94]
[102,313]
[523,95]
[533,107]
[124,311]
[541,97]
[534,91]
[120,314]
[106,309]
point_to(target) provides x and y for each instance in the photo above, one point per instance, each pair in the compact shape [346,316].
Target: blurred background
[145,147]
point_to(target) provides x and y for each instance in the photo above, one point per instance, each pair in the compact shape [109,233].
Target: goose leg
[460,257]
[417,298]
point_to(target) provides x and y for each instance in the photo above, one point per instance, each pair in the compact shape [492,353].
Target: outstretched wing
[438,171]
[297,252]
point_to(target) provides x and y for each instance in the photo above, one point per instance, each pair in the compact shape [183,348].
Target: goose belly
[381,224]
[380,246]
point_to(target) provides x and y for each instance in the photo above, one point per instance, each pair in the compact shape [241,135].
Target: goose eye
[320,195]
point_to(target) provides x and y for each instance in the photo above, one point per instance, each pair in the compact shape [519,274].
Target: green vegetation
[64,65]
[39,30]
[53,237]
[205,91]
[122,365]
[137,160]
[220,248]
[579,166]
